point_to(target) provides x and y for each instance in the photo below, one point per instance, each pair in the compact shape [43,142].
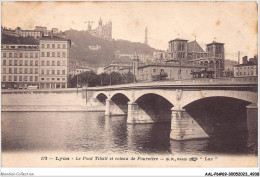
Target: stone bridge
[194,107]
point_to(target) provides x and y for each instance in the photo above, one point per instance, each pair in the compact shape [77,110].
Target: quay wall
[44,98]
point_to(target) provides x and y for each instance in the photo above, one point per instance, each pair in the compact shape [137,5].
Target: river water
[93,132]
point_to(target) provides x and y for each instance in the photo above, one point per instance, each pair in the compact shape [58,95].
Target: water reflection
[94,132]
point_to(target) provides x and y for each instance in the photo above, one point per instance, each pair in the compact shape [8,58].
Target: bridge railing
[200,81]
[25,91]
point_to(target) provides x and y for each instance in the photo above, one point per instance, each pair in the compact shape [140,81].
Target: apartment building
[19,65]
[54,62]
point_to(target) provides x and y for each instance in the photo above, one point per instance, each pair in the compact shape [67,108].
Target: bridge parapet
[253,81]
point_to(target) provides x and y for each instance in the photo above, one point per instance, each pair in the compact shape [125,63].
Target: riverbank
[51,108]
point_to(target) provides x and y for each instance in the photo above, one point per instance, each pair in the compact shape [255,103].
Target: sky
[232,23]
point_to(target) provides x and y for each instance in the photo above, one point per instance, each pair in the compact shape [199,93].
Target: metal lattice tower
[146,36]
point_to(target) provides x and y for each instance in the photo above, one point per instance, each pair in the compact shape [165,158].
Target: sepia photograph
[129,84]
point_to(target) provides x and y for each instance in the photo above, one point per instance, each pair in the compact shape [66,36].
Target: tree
[89,78]
[116,78]
[128,78]
[104,79]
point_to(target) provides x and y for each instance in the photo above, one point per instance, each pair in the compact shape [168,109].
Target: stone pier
[138,115]
[252,125]
[107,108]
[184,127]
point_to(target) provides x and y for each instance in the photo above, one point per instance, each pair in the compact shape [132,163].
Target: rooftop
[53,38]
[6,39]
[193,46]
[171,65]
[178,39]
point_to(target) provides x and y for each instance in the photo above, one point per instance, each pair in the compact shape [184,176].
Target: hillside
[96,52]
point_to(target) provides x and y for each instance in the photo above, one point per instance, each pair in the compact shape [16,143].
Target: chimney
[51,35]
[238,57]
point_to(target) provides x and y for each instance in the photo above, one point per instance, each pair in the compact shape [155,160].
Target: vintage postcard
[129,84]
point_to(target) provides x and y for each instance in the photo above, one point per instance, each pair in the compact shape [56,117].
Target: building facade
[19,65]
[102,31]
[38,32]
[182,51]
[54,62]
[151,72]
[248,68]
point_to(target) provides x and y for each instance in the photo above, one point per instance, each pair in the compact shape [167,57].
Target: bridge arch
[101,97]
[190,97]
[154,106]
[169,96]
[223,118]
[122,93]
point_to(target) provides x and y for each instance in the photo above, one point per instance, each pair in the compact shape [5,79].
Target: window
[15,55]
[15,78]
[36,70]
[15,70]
[31,78]
[10,78]
[58,72]
[20,70]
[48,63]
[21,62]
[42,54]
[58,54]
[154,70]
[31,55]
[10,55]
[21,55]
[48,72]
[58,46]
[26,55]
[4,54]
[20,78]
[53,45]
[42,63]
[63,72]
[10,62]
[4,70]
[36,78]
[53,63]
[4,62]
[25,78]
[43,45]
[25,70]
[36,63]
[53,54]
[58,79]
[63,79]
[63,54]
[10,70]
[15,62]
[63,46]
[4,78]
[42,71]
[36,55]
[31,70]
[42,79]
[31,62]
[48,45]
[58,63]
[53,72]
[53,79]
[26,63]
[48,54]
